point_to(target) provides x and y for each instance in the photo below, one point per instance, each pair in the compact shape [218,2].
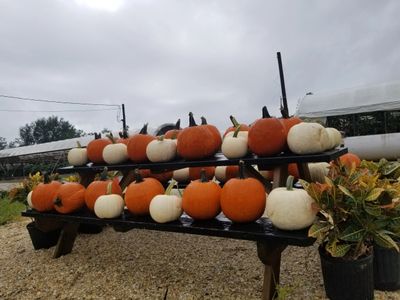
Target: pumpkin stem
[57,202]
[104,174]
[203,121]
[174,134]
[178,124]
[236,132]
[234,122]
[144,129]
[241,169]
[109,188]
[265,113]
[78,144]
[203,176]
[97,136]
[289,183]
[46,177]
[138,177]
[111,137]
[192,122]
[121,135]
[170,186]
[160,138]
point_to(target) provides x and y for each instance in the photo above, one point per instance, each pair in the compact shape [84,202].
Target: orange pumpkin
[162,176]
[137,145]
[196,142]
[44,194]
[201,199]
[95,148]
[243,127]
[70,198]
[216,134]
[195,172]
[243,199]
[98,188]
[231,172]
[123,138]
[349,159]
[174,133]
[139,194]
[287,124]
[267,136]
[293,170]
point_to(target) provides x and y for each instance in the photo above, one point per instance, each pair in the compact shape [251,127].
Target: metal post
[124,130]
[284,107]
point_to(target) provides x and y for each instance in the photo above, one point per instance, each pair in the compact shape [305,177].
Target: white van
[369,117]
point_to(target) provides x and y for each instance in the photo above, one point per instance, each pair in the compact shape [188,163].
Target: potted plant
[349,221]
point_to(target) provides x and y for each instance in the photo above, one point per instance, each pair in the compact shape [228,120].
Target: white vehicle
[369,118]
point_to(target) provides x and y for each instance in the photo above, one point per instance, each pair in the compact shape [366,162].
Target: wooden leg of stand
[280,176]
[66,239]
[304,171]
[270,256]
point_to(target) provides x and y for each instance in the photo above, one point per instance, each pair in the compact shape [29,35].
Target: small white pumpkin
[166,208]
[235,146]
[241,134]
[220,173]
[161,150]
[115,153]
[335,137]
[308,138]
[289,208]
[77,156]
[318,171]
[29,199]
[109,206]
[181,175]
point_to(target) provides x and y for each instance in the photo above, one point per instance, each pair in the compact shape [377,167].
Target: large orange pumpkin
[98,188]
[287,124]
[139,194]
[137,145]
[44,194]
[216,134]
[350,159]
[243,127]
[195,172]
[95,148]
[174,133]
[70,198]
[201,199]
[243,199]
[267,136]
[196,142]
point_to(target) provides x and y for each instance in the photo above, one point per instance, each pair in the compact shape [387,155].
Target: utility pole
[124,129]
[284,105]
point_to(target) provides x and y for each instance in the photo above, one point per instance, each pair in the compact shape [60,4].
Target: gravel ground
[142,264]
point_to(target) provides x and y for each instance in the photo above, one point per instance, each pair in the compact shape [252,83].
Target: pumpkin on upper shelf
[115,153]
[308,138]
[174,133]
[215,132]
[235,146]
[137,145]
[161,150]
[77,156]
[95,149]
[243,127]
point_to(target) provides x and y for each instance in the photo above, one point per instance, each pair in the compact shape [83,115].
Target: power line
[57,101]
[67,110]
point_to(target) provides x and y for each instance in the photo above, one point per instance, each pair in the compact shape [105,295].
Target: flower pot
[347,279]
[386,269]
[40,239]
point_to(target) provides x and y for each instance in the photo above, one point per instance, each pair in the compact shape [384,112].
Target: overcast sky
[165,58]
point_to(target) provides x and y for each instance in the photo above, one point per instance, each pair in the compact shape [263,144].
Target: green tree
[47,130]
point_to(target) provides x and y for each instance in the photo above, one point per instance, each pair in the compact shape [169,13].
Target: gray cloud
[166,58]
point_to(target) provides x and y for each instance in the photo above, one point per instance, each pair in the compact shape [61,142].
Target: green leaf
[318,230]
[384,240]
[338,250]
[346,191]
[374,194]
[352,234]
[373,210]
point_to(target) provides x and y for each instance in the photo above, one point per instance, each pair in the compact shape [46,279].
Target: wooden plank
[66,240]
[270,256]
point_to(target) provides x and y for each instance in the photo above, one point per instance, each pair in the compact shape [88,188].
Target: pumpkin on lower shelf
[29,199]
[139,194]
[201,198]
[44,194]
[243,199]
[224,173]
[109,206]
[350,160]
[181,175]
[289,208]
[194,172]
[70,198]
[166,208]
[77,156]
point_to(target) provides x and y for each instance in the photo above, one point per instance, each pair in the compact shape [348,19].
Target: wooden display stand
[270,240]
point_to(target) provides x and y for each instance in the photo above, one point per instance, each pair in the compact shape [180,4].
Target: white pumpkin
[29,199]
[289,208]
[161,150]
[308,138]
[241,134]
[166,208]
[234,146]
[181,175]
[220,173]
[115,153]
[109,206]
[77,156]
[335,137]
[318,171]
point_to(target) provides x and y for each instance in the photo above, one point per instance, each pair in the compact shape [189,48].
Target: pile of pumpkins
[267,136]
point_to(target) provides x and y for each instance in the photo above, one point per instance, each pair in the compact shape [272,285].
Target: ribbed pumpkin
[243,127]
[216,134]
[243,199]
[196,142]
[174,133]
[195,172]
[288,123]
[44,194]
[267,136]
[98,188]
[350,159]
[201,198]
[139,194]
[70,198]
[137,145]
[95,148]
